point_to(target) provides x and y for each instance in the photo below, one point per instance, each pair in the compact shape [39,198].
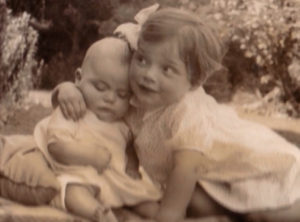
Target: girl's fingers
[71,111]
[77,110]
[64,110]
[82,108]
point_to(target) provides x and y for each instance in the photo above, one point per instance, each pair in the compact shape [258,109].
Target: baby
[89,156]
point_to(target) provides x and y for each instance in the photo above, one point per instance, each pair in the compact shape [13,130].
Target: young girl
[200,152]
[89,156]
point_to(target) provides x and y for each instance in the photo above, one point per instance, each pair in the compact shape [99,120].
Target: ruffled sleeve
[191,123]
[236,149]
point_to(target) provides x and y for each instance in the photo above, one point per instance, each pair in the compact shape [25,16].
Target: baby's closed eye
[124,94]
[100,86]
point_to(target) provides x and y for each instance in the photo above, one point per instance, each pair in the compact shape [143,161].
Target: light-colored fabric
[10,145]
[116,187]
[249,167]
[24,173]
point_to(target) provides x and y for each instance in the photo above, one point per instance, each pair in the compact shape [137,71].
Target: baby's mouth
[106,110]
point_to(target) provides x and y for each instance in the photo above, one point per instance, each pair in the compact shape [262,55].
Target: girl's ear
[78,75]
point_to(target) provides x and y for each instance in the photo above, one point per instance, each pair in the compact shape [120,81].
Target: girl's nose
[150,75]
[110,97]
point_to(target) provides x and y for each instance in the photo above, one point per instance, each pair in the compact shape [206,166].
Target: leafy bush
[17,60]
[266,35]
[60,68]
[66,27]
[262,36]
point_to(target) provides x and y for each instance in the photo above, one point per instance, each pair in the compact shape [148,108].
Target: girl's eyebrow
[171,62]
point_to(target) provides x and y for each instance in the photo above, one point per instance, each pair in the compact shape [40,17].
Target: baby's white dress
[249,167]
[116,187]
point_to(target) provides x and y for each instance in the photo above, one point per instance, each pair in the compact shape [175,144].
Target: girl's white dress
[248,167]
[116,187]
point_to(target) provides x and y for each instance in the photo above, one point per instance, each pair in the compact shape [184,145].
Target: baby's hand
[71,101]
[133,173]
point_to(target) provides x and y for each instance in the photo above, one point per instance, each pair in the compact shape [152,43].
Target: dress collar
[147,113]
[143,112]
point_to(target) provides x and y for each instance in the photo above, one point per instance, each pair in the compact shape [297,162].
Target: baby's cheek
[123,108]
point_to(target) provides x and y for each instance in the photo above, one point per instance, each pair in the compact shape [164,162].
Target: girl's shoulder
[191,109]
[193,120]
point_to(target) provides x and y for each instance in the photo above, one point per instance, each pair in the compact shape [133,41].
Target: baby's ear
[78,75]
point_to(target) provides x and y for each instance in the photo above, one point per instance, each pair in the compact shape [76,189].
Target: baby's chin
[107,117]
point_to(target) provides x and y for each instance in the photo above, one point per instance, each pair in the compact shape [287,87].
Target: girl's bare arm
[69,98]
[93,156]
[180,186]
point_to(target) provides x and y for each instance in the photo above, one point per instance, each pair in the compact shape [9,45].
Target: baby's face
[105,88]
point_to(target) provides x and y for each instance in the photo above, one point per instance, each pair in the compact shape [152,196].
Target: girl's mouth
[146,89]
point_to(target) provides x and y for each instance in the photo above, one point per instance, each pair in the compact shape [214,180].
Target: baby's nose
[110,97]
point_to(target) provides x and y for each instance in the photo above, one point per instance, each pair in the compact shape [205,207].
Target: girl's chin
[140,102]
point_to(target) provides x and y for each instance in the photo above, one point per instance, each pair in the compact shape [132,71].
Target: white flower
[248,54]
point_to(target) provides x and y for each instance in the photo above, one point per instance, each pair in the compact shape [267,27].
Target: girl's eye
[141,59]
[168,71]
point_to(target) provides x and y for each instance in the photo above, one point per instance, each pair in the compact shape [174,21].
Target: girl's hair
[198,46]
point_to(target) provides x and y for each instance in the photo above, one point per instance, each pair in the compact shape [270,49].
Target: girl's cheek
[132,70]
[134,73]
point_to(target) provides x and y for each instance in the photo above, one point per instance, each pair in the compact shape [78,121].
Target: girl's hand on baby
[71,101]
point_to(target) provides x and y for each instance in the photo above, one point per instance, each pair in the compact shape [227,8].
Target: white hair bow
[130,31]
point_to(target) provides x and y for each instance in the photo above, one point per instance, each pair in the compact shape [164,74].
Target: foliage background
[262,39]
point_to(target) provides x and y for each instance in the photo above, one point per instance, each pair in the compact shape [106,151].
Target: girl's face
[158,75]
